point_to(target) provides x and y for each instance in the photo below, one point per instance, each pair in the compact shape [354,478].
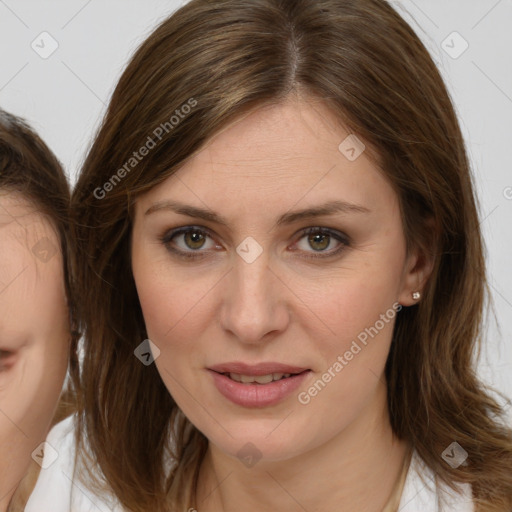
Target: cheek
[178,308]
[360,308]
[176,315]
[360,321]
[349,302]
[169,305]
[173,298]
[38,316]
[355,307]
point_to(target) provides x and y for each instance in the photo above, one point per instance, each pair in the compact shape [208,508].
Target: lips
[259,385]
[256,369]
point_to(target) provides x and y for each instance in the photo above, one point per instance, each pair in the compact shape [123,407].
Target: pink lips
[254,394]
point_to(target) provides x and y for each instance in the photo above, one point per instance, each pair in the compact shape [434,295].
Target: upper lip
[256,369]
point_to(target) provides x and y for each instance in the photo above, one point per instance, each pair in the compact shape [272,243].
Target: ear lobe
[418,268]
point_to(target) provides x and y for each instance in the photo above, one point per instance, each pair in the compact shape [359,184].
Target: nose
[254,307]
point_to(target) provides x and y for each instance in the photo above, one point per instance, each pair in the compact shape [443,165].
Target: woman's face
[34,333]
[254,296]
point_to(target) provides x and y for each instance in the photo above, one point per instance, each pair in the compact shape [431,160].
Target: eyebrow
[329,208]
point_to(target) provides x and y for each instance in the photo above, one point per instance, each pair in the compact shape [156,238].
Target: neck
[5,498]
[8,482]
[334,476]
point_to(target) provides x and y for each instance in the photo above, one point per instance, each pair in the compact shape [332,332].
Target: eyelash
[168,236]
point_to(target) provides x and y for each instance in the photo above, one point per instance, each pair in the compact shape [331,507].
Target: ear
[418,267]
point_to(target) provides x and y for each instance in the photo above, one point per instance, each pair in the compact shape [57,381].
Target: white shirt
[57,491]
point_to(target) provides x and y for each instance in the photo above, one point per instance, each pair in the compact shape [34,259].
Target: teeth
[260,379]
[264,379]
[245,379]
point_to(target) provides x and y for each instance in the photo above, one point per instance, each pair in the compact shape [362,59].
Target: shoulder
[59,487]
[422,492]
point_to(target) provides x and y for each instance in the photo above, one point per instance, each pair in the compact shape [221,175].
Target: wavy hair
[231,57]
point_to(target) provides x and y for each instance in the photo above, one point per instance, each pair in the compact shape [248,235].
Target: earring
[416,295]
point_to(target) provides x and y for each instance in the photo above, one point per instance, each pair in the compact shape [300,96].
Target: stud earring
[416,295]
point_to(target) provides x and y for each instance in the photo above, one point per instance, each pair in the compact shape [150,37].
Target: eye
[189,241]
[319,239]
[192,239]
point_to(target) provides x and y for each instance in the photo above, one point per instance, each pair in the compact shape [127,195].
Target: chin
[259,441]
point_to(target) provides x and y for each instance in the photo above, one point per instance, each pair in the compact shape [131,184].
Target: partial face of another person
[258,291]
[34,334]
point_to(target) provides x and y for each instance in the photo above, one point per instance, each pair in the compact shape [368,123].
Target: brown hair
[231,57]
[28,167]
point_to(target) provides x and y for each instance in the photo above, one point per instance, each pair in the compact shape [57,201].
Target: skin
[34,336]
[283,307]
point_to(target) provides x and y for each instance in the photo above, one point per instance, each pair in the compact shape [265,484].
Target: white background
[65,95]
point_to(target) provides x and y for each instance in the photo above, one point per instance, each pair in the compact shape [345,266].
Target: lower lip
[257,395]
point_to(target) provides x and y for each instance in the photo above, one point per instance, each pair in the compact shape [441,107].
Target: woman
[34,291]
[283,277]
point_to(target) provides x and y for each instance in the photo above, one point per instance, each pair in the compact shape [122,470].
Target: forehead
[17,208]
[32,291]
[292,152]
[28,237]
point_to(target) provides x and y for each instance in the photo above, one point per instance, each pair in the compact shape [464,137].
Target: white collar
[421,492]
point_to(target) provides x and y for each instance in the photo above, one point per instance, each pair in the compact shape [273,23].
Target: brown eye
[194,239]
[189,242]
[320,240]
